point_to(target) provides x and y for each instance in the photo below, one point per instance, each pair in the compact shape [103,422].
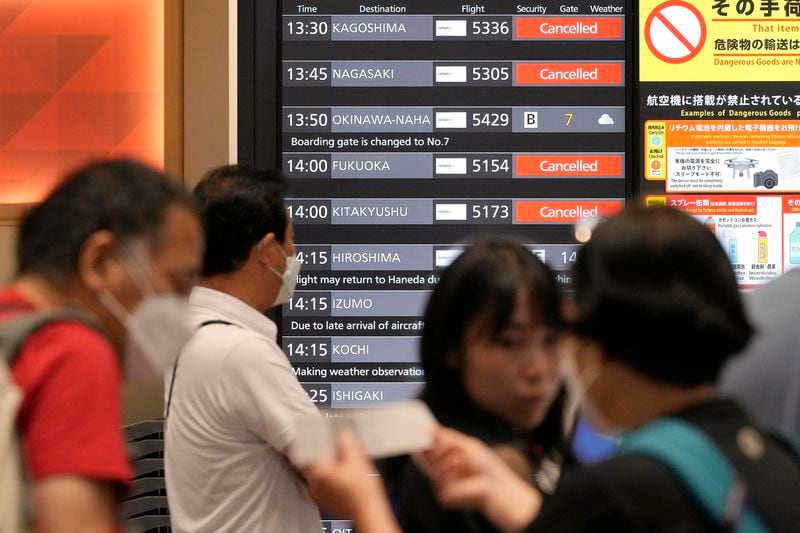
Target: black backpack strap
[773,481]
[742,493]
[15,331]
[790,441]
[701,467]
[177,358]
[212,322]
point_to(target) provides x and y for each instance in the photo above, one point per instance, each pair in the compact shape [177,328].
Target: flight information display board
[719,124]
[406,127]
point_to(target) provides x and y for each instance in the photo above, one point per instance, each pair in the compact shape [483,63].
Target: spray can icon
[732,246]
[794,245]
[711,224]
[762,246]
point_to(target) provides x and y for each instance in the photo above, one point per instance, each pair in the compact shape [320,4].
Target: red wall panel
[79,80]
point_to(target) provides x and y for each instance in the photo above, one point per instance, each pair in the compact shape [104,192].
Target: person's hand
[348,487]
[465,473]
[342,483]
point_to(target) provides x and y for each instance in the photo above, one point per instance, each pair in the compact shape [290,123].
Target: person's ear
[265,251]
[96,259]
[590,355]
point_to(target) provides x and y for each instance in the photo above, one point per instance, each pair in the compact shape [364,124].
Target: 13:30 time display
[308,27]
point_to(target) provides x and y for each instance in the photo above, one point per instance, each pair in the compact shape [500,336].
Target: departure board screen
[405,128]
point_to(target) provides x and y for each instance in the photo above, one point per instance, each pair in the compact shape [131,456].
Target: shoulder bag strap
[15,331]
[701,467]
[177,358]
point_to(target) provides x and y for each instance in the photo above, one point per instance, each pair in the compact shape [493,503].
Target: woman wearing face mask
[492,325]
[657,314]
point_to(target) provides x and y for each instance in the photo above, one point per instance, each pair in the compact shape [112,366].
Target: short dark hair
[124,197]
[482,285]
[239,206]
[655,289]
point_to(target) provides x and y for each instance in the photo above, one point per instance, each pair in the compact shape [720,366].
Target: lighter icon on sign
[605,120]
[530,120]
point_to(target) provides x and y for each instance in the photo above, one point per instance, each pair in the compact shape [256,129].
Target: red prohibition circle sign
[675,31]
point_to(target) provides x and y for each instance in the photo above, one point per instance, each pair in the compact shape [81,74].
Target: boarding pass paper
[400,429]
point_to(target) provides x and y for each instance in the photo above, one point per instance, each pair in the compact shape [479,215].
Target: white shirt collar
[217,305]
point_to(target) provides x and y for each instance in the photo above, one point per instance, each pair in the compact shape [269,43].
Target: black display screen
[407,127]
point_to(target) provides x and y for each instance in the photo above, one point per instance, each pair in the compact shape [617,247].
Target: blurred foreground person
[765,377]
[232,398]
[489,351]
[104,265]
[657,314]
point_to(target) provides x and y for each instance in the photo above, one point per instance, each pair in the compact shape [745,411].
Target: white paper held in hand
[316,440]
[398,429]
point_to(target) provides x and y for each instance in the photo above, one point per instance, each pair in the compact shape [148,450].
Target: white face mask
[578,384]
[157,328]
[288,278]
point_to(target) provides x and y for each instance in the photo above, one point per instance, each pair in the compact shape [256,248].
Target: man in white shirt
[231,406]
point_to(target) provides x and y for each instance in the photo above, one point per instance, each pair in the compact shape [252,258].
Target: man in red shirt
[110,237]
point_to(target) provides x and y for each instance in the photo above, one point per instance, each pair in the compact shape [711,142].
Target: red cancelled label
[564,211]
[568,28]
[568,165]
[569,74]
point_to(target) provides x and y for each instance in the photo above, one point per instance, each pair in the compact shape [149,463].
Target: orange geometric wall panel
[79,80]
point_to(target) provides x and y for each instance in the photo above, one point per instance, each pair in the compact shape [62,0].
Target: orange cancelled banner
[568,165]
[563,211]
[569,74]
[599,28]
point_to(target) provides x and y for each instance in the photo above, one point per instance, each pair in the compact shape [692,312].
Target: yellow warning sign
[719,40]
[655,150]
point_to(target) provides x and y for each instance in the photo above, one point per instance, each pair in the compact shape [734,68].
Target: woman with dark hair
[657,314]
[488,349]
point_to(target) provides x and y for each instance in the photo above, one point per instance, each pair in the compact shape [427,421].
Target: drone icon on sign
[741,165]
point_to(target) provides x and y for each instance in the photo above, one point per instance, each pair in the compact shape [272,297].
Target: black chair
[146,509]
